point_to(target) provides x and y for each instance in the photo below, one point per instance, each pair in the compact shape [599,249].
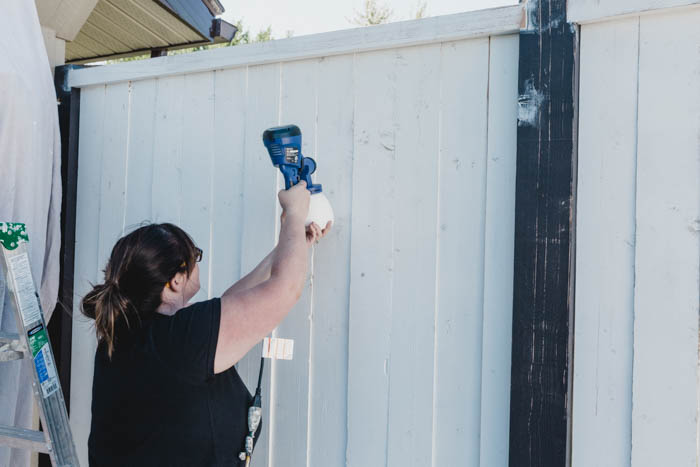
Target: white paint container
[320,210]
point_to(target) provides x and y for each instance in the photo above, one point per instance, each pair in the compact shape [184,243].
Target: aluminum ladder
[32,344]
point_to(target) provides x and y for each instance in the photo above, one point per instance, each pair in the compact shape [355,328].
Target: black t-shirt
[158,401]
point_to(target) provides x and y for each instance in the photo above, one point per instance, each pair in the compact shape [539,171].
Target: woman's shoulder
[210,305]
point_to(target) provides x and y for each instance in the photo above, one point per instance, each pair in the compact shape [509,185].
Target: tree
[374,13]
[264,35]
[421,10]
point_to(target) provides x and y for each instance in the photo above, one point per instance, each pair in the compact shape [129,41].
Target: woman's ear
[177,282]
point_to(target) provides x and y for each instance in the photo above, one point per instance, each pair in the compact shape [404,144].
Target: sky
[313,16]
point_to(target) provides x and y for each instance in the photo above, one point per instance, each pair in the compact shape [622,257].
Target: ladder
[32,343]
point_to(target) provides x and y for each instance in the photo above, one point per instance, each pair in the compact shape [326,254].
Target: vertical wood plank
[227,181]
[329,335]
[602,406]
[115,158]
[197,168]
[101,200]
[168,134]
[291,404]
[498,250]
[463,151]
[260,219]
[416,164]
[140,168]
[92,104]
[371,257]
[664,413]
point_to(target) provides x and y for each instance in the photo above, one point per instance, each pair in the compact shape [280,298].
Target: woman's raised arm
[247,315]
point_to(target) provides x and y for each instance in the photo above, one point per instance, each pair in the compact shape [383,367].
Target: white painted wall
[65,17]
[55,48]
[638,257]
[402,352]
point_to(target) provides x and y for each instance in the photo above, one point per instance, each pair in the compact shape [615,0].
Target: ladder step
[23,439]
[11,347]
[8,337]
[8,355]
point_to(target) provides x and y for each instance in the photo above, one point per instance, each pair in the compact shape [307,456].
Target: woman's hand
[314,233]
[295,201]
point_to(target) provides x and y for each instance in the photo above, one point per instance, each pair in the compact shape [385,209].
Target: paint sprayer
[284,145]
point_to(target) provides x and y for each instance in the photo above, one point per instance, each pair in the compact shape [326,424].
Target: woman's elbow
[288,292]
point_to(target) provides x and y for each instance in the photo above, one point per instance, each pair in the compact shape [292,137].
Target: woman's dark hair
[140,265]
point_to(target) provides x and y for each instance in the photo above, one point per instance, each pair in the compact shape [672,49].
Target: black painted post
[61,326]
[544,238]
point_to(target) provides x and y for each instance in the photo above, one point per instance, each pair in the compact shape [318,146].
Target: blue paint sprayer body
[284,145]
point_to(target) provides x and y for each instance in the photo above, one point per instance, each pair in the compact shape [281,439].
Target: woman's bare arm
[260,274]
[247,315]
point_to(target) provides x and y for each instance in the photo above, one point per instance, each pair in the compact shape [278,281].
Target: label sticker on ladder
[276,348]
[24,288]
[45,367]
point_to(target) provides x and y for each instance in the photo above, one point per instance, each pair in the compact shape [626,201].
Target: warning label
[21,275]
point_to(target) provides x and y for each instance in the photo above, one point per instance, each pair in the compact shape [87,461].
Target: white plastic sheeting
[30,186]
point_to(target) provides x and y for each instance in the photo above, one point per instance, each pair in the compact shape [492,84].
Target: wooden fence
[402,335]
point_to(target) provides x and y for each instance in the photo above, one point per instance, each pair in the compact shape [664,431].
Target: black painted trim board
[541,371]
[61,326]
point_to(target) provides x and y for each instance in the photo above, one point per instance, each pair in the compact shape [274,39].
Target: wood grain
[605,227]
[667,254]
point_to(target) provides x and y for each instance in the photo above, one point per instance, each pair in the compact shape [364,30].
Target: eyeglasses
[198,258]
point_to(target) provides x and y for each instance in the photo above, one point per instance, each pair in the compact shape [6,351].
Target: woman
[165,391]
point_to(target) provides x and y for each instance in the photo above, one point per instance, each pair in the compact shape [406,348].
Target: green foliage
[264,35]
[421,10]
[380,13]
[373,14]
[128,59]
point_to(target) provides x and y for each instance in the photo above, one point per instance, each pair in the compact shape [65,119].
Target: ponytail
[110,309]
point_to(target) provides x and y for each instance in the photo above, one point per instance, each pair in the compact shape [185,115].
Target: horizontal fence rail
[590,11]
[496,21]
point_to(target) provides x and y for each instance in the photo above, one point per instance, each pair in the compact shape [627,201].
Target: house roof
[127,27]
[195,13]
